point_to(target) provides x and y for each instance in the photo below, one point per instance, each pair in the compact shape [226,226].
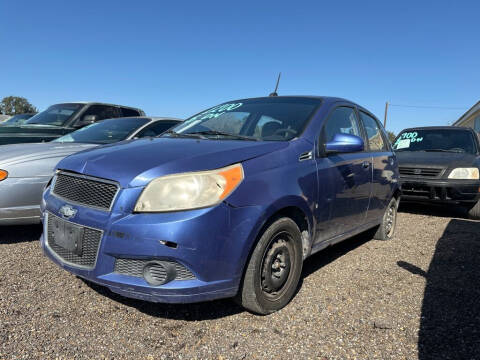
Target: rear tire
[386,230]
[274,269]
[474,211]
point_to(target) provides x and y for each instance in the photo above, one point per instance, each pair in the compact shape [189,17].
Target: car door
[383,162]
[344,179]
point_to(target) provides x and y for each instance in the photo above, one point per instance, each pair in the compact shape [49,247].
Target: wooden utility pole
[385,117]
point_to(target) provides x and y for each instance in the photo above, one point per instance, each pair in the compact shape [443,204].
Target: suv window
[126,112]
[102,112]
[374,134]
[156,128]
[342,121]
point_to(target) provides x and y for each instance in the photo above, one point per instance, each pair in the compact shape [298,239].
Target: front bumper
[440,190]
[213,244]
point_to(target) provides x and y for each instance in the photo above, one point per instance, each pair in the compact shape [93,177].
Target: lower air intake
[155,272]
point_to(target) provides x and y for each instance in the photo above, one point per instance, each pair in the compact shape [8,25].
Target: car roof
[96,103]
[329,98]
[160,118]
[321,99]
[454,128]
[148,118]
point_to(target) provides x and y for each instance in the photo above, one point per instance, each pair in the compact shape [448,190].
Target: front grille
[90,243]
[86,191]
[420,172]
[134,267]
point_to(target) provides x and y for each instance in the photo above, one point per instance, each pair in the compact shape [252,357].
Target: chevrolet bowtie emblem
[67,211]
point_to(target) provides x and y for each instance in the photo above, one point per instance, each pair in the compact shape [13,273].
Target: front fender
[263,216]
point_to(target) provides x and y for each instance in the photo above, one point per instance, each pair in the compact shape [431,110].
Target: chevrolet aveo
[227,204]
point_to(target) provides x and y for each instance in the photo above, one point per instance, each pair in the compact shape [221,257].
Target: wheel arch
[293,207]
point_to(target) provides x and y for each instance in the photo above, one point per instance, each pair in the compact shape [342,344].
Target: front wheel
[386,230]
[274,269]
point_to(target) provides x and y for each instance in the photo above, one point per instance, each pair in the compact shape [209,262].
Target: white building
[471,118]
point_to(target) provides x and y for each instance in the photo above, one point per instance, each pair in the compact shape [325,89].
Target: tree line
[14,105]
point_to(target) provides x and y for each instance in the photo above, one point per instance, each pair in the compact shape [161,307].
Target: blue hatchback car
[227,204]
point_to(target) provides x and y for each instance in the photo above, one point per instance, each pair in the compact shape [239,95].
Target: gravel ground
[414,297]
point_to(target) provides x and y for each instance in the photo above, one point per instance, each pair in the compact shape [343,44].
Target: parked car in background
[4,118]
[16,120]
[61,119]
[25,169]
[227,204]
[440,164]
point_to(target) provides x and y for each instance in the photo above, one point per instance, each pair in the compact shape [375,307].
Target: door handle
[365,164]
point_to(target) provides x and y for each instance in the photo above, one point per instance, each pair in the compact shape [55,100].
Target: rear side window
[374,134]
[126,112]
[342,121]
[102,112]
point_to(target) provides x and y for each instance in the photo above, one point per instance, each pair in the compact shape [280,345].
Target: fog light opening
[157,273]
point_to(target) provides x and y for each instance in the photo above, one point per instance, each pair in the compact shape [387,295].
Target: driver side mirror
[344,143]
[86,120]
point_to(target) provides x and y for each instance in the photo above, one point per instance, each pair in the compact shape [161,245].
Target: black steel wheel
[386,230]
[274,269]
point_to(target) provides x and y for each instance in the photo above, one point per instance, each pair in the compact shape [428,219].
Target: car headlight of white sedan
[188,191]
[464,174]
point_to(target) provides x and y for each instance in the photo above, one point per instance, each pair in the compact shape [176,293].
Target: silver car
[25,169]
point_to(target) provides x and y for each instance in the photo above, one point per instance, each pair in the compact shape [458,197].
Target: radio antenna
[274,93]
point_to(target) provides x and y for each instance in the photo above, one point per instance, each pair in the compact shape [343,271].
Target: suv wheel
[274,269]
[386,230]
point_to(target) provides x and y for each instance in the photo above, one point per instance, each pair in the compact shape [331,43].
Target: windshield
[269,119]
[440,140]
[105,132]
[18,119]
[56,115]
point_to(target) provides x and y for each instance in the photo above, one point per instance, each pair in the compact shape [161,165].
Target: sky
[178,58]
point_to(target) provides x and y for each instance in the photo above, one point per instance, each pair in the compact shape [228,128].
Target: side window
[374,134]
[102,112]
[126,112]
[342,121]
[156,128]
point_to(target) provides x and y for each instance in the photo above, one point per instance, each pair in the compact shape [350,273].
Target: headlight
[3,174]
[464,173]
[189,190]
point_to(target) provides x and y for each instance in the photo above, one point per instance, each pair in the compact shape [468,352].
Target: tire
[274,269]
[474,211]
[386,230]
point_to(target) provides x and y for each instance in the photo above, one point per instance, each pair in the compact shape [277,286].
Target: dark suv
[61,119]
[440,164]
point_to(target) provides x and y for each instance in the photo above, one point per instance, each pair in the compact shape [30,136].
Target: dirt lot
[415,297]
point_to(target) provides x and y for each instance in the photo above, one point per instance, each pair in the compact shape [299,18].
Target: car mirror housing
[344,143]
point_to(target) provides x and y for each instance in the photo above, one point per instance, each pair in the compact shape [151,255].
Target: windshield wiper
[443,150]
[187,135]
[221,133]
[35,123]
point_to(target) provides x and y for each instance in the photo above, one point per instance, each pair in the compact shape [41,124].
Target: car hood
[29,133]
[20,153]
[431,159]
[11,129]
[136,162]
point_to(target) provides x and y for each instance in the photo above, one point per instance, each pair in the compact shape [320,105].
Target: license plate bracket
[67,235]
